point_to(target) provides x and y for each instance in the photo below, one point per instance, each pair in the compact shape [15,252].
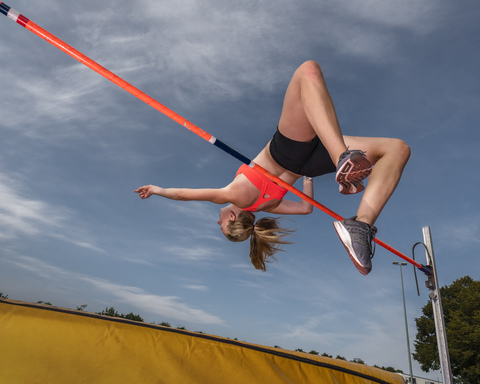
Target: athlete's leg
[389,157]
[357,234]
[308,110]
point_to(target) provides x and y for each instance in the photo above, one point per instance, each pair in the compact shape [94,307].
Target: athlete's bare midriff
[245,194]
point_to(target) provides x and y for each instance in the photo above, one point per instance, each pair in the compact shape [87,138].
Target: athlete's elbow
[308,209]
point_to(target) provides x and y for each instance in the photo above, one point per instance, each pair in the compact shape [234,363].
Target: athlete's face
[227,214]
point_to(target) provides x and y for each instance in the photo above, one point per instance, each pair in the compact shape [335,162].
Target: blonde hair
[266,236]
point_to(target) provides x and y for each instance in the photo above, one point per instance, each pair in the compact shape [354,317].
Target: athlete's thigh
[293,122]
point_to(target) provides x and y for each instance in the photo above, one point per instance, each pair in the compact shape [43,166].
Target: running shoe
[357,238]
[353,166]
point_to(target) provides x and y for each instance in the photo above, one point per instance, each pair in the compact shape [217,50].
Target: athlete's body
[308,113]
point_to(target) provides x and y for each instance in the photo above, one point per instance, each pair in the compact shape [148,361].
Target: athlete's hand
[146,191]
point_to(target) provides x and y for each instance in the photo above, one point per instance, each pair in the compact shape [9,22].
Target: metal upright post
[406,323]
[432,285]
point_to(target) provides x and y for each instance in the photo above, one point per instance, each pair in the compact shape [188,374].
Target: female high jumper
[309,143]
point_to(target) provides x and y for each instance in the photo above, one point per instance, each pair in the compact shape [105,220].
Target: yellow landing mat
[46,344]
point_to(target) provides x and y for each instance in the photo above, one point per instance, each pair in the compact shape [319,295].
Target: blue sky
[74,147]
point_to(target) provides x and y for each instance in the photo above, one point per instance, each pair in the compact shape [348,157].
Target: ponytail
[266,236]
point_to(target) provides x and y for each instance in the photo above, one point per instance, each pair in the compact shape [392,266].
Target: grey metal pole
[406,322]
[432,285]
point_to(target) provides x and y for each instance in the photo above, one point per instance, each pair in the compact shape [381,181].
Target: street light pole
[406,323]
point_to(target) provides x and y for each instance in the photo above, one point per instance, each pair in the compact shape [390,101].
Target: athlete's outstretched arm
[217,196]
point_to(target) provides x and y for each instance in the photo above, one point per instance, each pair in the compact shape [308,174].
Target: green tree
[389,369]
[44,302]
[2,296]
[165,324]
[112,312]
[358,360]
[109,311]
[132,316]
[461,310]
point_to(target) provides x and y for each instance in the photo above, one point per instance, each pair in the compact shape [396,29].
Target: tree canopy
[112,312]
[461,309]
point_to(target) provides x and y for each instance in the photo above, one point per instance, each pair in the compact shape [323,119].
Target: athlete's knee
[310,70]
[400,149]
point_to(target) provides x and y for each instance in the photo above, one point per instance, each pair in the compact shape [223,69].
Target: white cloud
[62,96]
[165,306]
[22,216]
[196,253]
[316,332]
[207,43]
[209,48]
[465,231]
[417,16]
[198,209]
[196,287]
